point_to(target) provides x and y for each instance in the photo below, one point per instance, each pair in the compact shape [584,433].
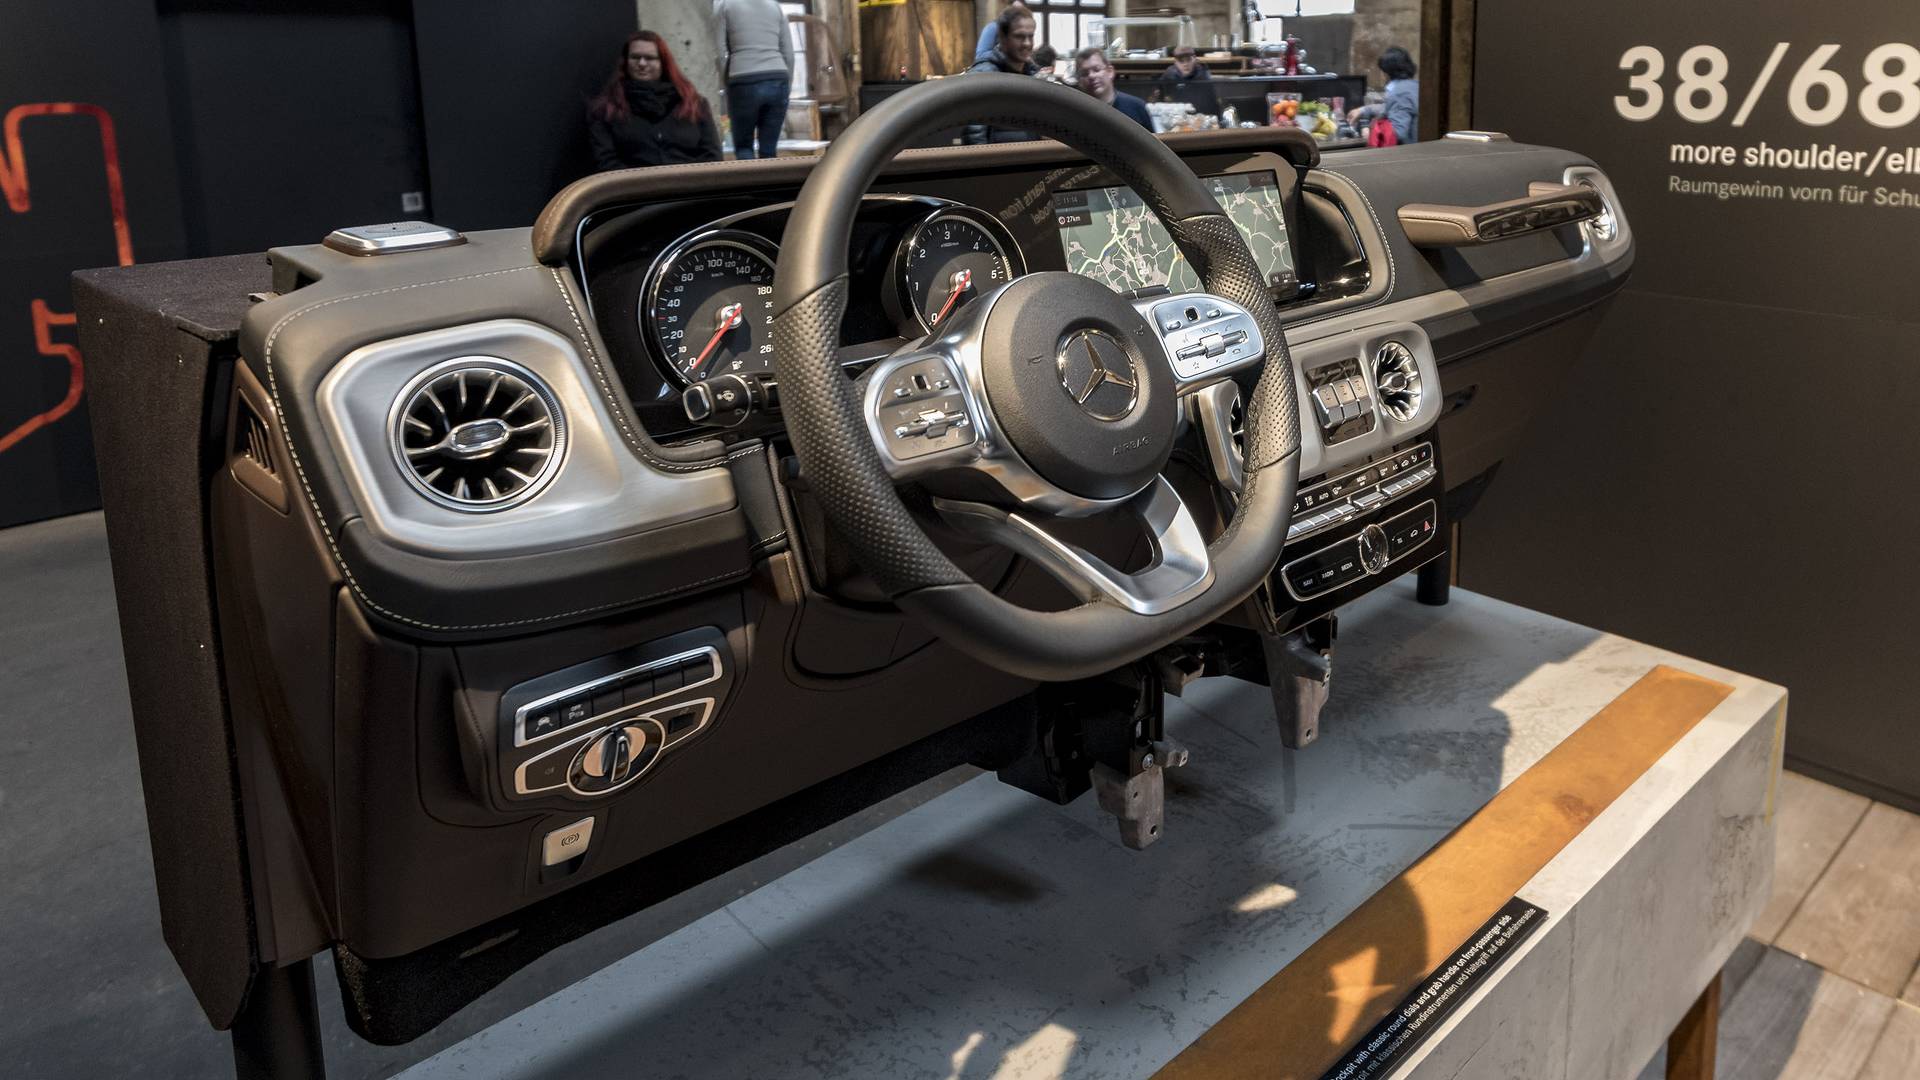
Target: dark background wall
[58,215]
[1728,473]
[239,126]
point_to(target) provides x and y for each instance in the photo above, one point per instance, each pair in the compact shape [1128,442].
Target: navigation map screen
[1109,235]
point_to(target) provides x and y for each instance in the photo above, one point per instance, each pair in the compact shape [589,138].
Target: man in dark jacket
[1186,67]
[1014,55]
[1090,66]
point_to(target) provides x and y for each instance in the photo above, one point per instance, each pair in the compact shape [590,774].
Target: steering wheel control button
[1217,336]
[921,411]
[566,843]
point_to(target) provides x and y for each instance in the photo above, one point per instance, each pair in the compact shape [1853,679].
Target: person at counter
[990,33]
[1186,67]
[756,61]
[1402,106]
[1090,66]
[648,113]
[1013,55]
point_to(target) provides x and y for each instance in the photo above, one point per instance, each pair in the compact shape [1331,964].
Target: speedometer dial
[708,305]
[949,259]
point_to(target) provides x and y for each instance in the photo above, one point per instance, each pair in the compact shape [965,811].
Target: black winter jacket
[652,135]
[996,60]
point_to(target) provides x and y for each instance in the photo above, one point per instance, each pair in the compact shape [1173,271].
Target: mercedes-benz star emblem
[1098,374]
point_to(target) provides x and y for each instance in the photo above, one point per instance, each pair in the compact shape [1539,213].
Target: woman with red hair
[648,113]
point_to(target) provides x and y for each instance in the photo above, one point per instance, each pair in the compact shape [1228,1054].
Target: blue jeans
[757,106]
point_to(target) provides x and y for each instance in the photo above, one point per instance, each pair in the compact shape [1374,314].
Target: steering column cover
[828,431]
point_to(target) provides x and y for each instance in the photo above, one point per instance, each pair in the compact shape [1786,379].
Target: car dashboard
[500,542]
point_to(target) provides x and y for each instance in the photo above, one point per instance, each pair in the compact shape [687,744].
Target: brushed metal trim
[603,491]
[520,714]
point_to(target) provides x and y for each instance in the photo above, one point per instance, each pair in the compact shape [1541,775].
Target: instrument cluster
[706,306]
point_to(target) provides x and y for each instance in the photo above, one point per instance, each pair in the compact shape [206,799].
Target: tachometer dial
[708,305]
[949,259]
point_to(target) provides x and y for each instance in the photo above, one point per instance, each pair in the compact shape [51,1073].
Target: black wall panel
[294,119]
[504,87]
[1726,473]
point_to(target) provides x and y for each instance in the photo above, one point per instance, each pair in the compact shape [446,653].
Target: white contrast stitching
[1386,241]
[613,400]
[326,530]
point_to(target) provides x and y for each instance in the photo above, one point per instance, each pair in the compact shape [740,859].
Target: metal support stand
[1435,580]
[277,1036]
[1139,800]
[1300,675]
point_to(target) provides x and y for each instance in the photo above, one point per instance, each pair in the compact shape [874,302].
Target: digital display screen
[1109,235]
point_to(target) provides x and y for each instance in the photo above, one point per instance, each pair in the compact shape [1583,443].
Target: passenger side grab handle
[1546,206]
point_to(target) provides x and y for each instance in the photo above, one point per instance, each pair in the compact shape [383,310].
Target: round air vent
[1396,375]
[478,433]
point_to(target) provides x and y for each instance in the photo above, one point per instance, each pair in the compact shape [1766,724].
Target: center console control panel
[1342,499]
[1359,527]
[592,729]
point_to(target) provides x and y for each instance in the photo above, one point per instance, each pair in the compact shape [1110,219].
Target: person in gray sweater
[756,63]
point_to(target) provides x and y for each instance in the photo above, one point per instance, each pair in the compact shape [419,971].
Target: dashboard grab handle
[1545,206]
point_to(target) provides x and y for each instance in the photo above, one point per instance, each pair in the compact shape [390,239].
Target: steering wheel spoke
[1178,571]
[1206,338]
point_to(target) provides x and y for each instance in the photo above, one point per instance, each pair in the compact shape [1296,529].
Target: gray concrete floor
[1828,987]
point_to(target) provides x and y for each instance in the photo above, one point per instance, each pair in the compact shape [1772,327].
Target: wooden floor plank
[1811,821]
[1861,920]
[1793,1021]
[1897,1055]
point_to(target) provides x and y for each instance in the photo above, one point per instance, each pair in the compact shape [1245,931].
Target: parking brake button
[566,843]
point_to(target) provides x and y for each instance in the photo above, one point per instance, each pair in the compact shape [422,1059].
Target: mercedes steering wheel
[1050,396]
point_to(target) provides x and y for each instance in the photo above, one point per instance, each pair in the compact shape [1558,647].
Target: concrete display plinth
[988,933]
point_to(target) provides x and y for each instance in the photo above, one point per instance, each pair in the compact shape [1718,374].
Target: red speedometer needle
[724,320]
[961,282]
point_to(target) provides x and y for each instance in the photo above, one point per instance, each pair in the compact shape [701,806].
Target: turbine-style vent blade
[1396,376]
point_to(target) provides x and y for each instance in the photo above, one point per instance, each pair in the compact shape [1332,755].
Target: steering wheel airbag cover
[1095,450]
